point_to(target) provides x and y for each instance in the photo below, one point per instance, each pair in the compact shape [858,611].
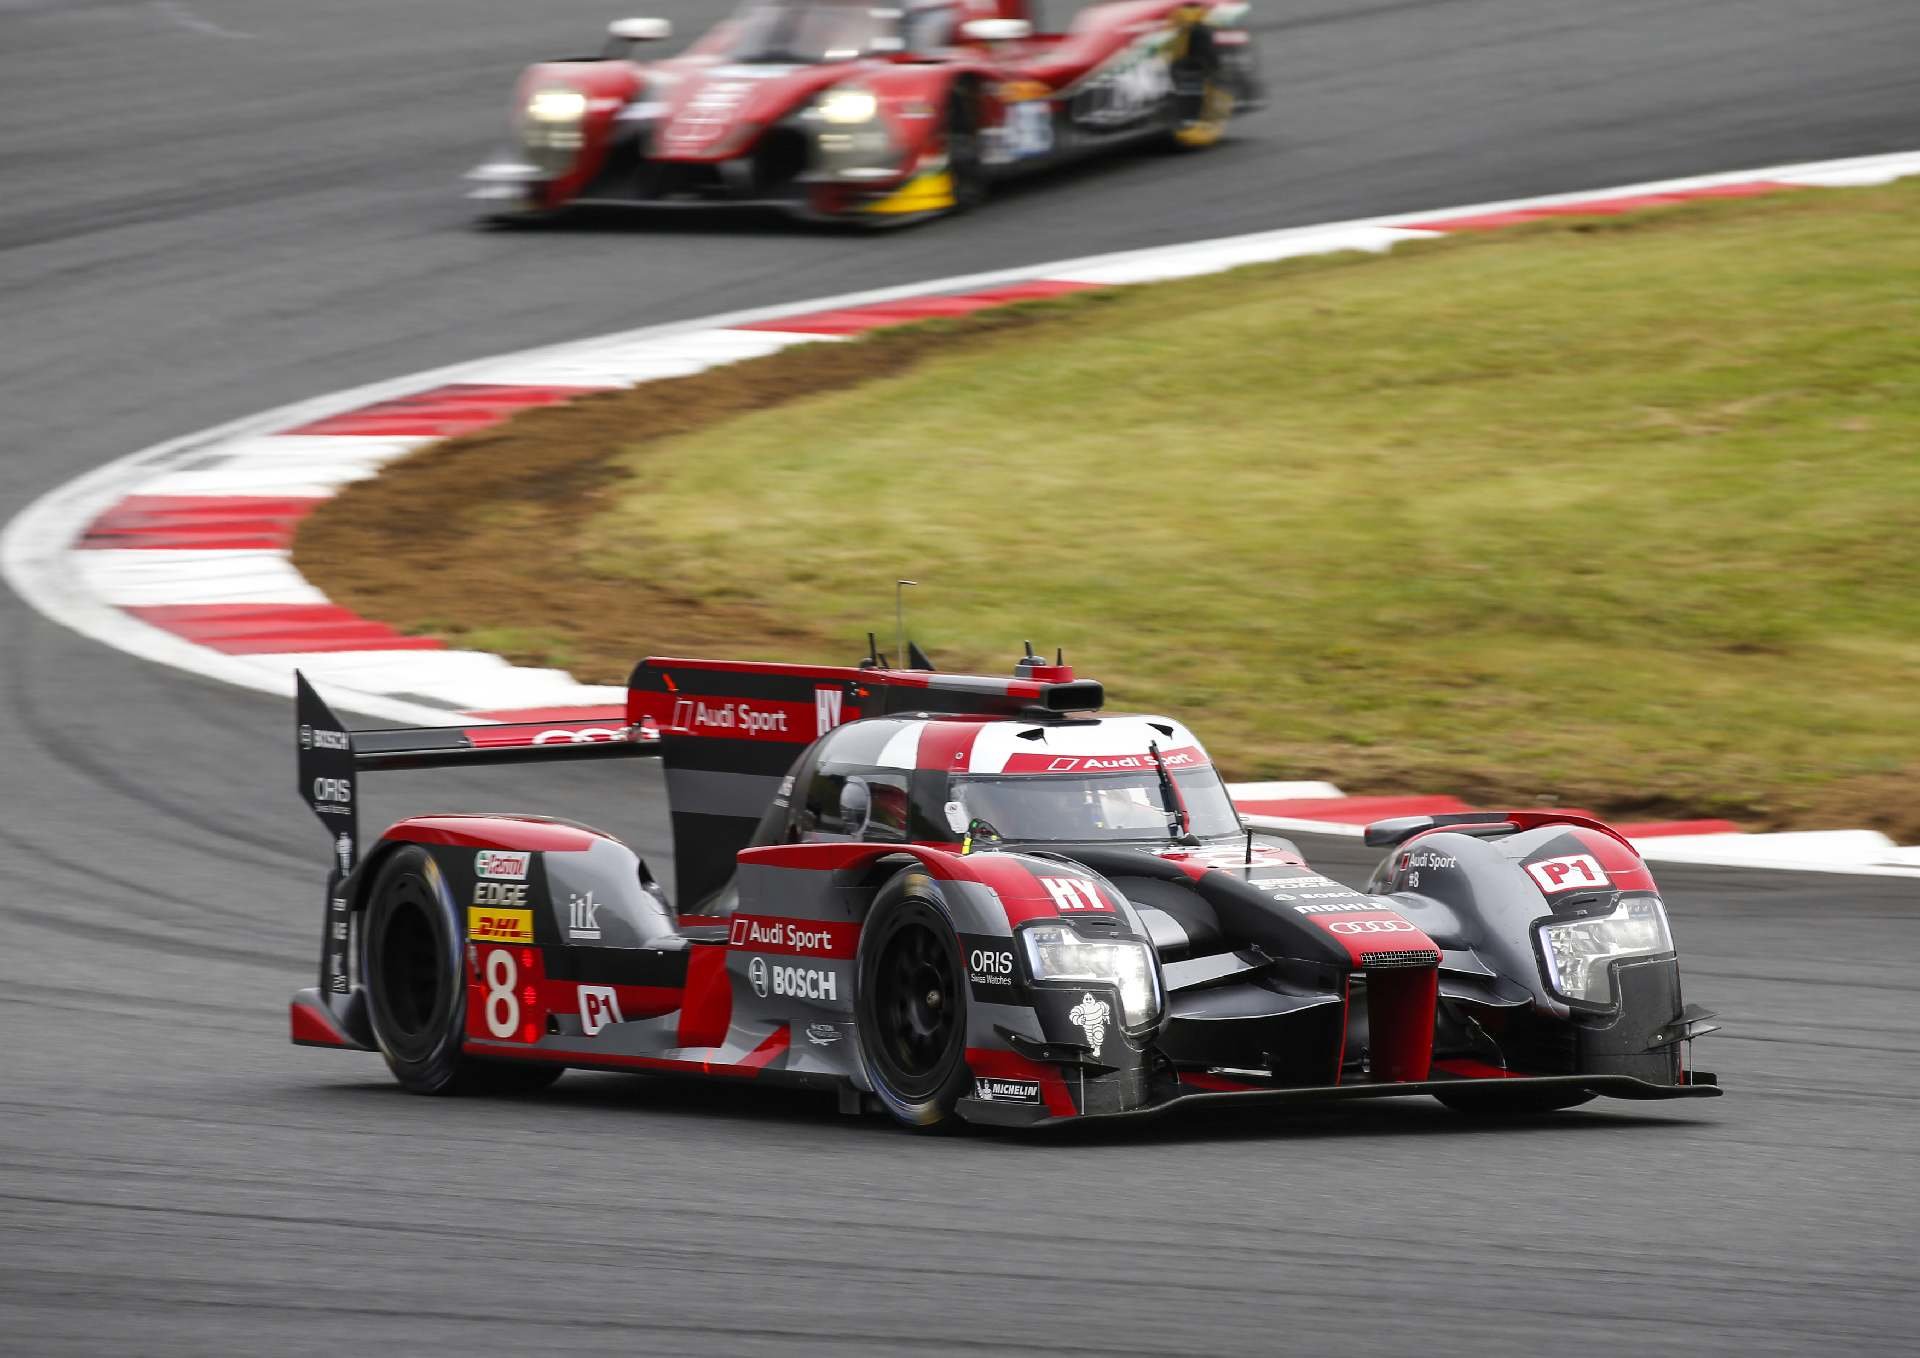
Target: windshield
[806,31]
[1108,806]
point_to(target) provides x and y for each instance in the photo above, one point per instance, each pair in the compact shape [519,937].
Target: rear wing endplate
[331,756]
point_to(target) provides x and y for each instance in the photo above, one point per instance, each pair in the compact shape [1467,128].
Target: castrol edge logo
[503,865]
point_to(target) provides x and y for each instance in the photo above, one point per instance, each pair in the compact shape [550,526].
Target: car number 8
[503,1007]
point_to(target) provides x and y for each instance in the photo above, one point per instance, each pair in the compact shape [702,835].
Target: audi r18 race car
[974,898]
[883,113]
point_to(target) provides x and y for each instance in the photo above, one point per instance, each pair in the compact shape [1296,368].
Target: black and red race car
[850,110]
[969,897]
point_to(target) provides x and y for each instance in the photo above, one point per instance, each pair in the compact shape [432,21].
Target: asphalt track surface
[214,206]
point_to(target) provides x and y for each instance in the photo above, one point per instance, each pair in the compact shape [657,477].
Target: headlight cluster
[1579,952]
[550,127]
[848,104]
[556,106]
[1057,953]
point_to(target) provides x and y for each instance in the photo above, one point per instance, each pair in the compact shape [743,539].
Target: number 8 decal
[503,1008]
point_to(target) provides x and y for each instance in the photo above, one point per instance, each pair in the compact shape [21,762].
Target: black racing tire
[413,949]
[1203,101]
[1514,1103]
[911,1007]
[962,137]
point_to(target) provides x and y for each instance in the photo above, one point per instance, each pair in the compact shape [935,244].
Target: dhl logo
[490,925]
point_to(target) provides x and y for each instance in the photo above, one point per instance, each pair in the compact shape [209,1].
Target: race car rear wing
[331,756]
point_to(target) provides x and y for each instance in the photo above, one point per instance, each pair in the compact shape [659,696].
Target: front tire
[416,990]
[912,1004]
[1203,101]
[964,165]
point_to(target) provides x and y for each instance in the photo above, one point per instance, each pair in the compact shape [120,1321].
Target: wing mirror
[856,805]
[996,30]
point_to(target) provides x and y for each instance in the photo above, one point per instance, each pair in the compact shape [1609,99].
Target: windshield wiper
[1180,826]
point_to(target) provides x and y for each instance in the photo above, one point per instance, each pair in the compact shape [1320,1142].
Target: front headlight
[556,106]
[848,104]
[1057,953]
[1579,953]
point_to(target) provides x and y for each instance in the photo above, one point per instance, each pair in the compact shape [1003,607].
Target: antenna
[873,652]
[1059,655]
[900,588]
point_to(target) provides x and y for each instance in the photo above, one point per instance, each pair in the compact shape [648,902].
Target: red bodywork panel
[494,832]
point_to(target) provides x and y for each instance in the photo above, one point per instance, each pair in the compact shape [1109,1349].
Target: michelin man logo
[1092,1016]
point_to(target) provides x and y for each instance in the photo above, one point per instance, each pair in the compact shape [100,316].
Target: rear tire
[1513,1103]
[413,949]
[911,1008]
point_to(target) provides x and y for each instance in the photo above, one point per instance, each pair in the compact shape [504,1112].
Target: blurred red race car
[830,109]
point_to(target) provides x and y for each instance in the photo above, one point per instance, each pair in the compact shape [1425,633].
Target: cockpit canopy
[943,780]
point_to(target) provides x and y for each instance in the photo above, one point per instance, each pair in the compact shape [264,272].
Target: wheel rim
[917,1009]
[409,967]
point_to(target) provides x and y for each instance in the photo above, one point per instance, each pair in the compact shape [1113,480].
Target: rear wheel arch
[413,970]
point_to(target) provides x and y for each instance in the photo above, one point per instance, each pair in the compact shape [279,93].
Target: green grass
[1619,512]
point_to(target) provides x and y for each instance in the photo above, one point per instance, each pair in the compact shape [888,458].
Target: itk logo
[1092,1015]
[599,1006]
[583,917]
[826,709]
[1074,894]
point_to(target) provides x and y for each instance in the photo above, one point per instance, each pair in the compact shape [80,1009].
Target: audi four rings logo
[1371,926]
[583,735]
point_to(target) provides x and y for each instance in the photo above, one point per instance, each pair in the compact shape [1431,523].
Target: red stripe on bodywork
[535,736]
[760,1057]
[1186,757]
[455,409]
[858,320]
[199,522]
[1213,1084]
[947,745]
[262,629]
[555,714]
[1473,1070]
[763,1055]
[1400,1005]
[492,832]
[1020,892]
[1595,207]
[709,1008]
[314,1029]
[1622,861]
